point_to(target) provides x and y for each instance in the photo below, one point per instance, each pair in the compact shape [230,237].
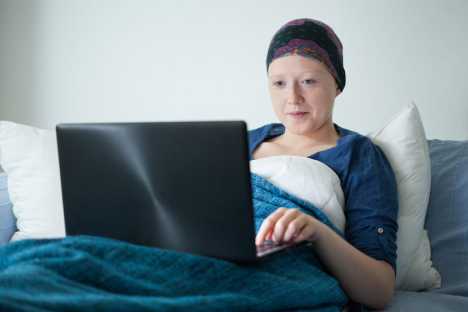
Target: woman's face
[302,93]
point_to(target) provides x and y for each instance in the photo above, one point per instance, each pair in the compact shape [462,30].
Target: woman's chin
[297,129]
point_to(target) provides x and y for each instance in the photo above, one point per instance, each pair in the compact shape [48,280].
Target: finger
[269,236]
[283,223]
[295,227]
[307,233]
[268,225]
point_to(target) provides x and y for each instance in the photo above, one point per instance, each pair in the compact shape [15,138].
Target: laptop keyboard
[270,246]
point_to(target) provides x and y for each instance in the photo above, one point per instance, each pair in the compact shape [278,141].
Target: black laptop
[174,185]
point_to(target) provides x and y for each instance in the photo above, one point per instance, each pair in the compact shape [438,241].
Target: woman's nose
[294,95]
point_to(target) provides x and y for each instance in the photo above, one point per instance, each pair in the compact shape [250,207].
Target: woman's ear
[338,91]
[337,87]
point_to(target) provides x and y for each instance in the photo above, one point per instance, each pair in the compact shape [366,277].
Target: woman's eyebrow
[275,76]
[313,72]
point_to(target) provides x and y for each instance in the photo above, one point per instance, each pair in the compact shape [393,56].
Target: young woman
[306,74]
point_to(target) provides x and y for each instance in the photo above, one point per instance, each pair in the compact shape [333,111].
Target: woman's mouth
[297,115]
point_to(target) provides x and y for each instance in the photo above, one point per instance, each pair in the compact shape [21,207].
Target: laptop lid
[176,185]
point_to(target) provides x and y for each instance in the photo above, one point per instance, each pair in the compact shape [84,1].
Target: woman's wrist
[319,233]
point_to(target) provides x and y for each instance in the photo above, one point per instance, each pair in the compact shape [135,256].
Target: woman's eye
[278,83]
[309,81]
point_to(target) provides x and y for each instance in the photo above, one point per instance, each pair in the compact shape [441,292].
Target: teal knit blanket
[85,273]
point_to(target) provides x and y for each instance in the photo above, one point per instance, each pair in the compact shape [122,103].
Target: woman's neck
[326,135]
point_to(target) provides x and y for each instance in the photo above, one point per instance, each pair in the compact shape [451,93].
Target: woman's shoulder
[362,154]
[355,141]
[265,129]
[258,135]
[357,152]
[350,135]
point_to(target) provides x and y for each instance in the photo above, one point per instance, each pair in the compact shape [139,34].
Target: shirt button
[380,230]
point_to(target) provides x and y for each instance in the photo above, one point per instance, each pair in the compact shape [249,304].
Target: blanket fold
[84,273]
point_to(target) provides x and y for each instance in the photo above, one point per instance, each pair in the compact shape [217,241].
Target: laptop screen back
[175,185]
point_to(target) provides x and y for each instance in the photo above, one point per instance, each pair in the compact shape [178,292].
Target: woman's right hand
[286,225]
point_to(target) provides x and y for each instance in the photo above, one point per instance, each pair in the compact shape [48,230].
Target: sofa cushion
[447,215]
[427,302]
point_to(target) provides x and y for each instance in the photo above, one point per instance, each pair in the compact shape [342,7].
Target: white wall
[69,61]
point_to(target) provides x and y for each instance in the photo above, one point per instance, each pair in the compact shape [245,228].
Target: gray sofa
[447,226]
[446,222]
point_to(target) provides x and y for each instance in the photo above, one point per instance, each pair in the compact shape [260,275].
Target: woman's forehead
[295,65]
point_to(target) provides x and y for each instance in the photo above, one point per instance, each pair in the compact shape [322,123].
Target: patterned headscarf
[310,38]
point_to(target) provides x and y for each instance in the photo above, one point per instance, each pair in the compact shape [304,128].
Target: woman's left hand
[288,225]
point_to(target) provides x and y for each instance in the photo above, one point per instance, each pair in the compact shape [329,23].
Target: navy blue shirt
[369,187]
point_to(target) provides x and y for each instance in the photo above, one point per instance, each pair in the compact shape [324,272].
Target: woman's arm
[365,280]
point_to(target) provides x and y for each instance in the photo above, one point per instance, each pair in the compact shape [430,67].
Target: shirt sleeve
[257,136]
[371,202]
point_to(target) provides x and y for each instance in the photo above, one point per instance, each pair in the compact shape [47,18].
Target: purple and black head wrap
[310,38]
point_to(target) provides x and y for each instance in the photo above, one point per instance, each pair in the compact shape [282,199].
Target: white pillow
[29,157]
[404,142]
[307,179]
